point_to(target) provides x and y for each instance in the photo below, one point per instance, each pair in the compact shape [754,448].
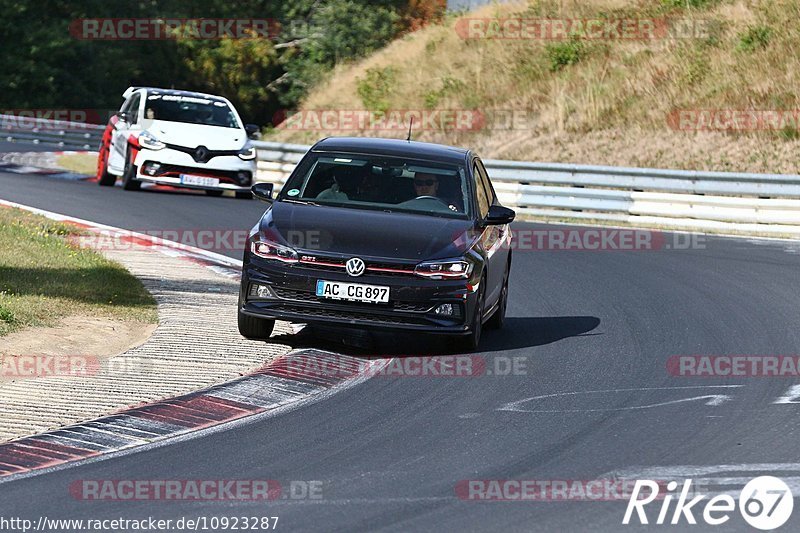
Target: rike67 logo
[765,503]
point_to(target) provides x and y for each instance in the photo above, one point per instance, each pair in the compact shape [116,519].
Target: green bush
[565,53]
[6,316]
[339,30]
[376,87]
[449,86]
[696,4]
[754,38]
[789,133]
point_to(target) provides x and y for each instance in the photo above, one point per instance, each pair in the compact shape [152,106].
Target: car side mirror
[263,191]
[252,131]
[123,116]
[499,215]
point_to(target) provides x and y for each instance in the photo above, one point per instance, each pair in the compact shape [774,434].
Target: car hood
[194,135]
[358,232]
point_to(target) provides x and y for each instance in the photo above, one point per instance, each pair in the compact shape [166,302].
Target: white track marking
[712,479]
[713,399]
[791,396]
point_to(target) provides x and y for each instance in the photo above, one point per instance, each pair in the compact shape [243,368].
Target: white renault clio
[178,138]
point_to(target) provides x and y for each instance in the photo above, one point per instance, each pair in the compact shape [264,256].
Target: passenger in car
[345,185]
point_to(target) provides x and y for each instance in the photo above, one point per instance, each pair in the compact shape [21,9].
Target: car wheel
[255,328]
[470,342]
[244,195]
[499,315]
[214,193]
[104,178]
[129,181]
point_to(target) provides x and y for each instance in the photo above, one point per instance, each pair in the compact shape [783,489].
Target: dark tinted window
[486,183]
[133,110]
[191,110]
[381,183]
[480,190]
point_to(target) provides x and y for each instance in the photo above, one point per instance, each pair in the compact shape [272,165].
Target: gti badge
[355,266]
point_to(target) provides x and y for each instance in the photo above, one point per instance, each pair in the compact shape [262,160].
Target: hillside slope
[664,98]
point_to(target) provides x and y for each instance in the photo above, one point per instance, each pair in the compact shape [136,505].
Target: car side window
[480,190]
[133,109]
[486,183]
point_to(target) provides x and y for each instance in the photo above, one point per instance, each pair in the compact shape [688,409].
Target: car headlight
[271,250]
[149,141]
[444,269]
[248,153]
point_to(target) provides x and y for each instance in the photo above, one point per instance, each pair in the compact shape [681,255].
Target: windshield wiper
[296,201]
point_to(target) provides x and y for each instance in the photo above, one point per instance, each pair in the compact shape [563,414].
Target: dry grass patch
[593,101]
[43,277]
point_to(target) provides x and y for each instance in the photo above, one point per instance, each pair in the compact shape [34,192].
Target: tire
[469,343]
[129,181]
[499,316]
[104,179]
[215,193]
[255,328]
[244,195]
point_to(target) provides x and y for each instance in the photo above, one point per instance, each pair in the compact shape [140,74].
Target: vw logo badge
[355,266]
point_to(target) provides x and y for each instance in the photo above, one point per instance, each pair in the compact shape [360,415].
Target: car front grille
[354,315]
[336,264]
[232,176]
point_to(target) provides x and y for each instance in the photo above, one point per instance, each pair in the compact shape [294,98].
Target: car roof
[173,92]
[392,147]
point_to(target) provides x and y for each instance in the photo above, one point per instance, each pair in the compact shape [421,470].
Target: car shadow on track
[518,333]
[528,332]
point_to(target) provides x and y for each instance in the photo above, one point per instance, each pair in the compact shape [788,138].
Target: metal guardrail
[61,133]
[745,202]
[735,201]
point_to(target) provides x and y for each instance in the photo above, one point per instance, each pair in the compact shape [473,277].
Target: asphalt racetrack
[591,396]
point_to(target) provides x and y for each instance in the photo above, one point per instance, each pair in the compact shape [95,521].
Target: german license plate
[202,181]
[354,292]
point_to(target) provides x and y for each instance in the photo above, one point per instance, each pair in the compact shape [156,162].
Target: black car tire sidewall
[255,328]
[499,316]
[470,342]
[106,179]
[129,182]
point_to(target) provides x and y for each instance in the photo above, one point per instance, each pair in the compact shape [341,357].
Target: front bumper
[411,299]
[233,173]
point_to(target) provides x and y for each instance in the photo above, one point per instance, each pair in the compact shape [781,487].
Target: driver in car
[428,185]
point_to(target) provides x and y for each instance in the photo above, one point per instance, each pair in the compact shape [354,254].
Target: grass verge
[43,277]
[79,163]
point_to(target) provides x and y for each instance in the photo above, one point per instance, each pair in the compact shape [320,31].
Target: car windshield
[381,183]
[190,109]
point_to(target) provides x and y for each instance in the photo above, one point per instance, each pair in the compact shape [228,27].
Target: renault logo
[355,266]
[201,154]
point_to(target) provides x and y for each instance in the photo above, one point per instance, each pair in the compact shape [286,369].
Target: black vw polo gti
[380,233]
